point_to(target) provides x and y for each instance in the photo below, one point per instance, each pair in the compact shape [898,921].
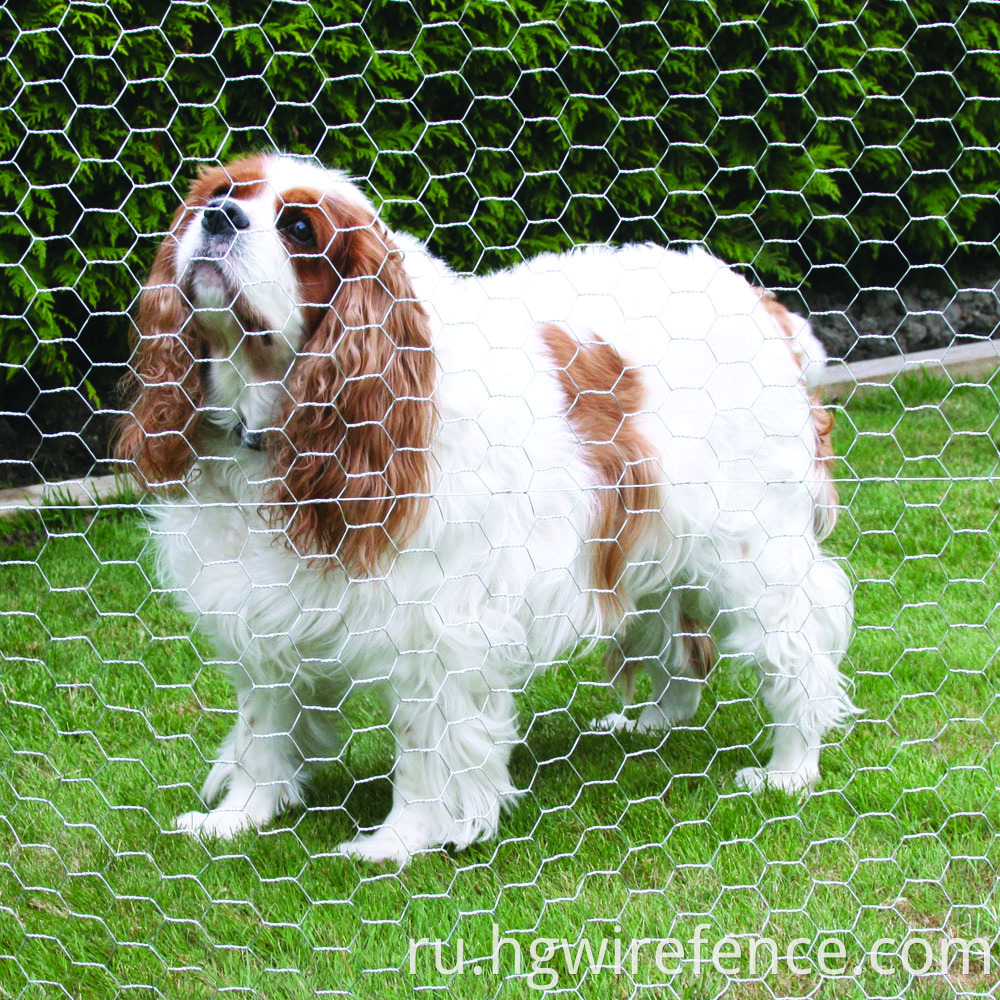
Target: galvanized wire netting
[843,154]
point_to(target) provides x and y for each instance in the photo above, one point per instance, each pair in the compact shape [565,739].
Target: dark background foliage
[828,146]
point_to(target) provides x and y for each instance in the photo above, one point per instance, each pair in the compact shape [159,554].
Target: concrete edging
[838,380]
[89,492]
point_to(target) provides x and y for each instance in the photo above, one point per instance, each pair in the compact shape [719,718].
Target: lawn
[109,710]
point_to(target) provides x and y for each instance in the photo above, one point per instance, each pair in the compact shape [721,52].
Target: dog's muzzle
[223,218]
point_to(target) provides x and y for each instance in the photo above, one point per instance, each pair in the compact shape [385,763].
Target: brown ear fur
[603,395]
[154,435]
[351,466]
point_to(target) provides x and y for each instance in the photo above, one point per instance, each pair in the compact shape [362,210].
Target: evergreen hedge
[796,136]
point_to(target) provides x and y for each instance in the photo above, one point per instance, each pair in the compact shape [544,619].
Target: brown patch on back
[603,396]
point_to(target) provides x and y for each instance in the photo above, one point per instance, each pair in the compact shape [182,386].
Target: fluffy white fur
[496,580]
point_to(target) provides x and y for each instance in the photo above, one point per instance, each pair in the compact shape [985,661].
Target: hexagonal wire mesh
[843,154]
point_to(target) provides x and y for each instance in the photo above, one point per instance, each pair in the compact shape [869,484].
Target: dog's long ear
[154,436]
[351,462]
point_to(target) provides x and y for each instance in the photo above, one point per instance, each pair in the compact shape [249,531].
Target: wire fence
[840,154]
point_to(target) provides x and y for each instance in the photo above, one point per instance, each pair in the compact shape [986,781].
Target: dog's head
[279,312]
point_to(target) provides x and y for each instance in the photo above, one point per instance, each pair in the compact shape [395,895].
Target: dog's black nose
[224,217]
[254,440]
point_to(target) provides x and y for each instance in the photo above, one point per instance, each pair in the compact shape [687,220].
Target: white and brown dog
[388,473]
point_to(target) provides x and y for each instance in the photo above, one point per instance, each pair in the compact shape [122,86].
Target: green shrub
[791,135]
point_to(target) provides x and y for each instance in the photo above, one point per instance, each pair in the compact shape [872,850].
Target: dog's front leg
[262,765]
[454,735]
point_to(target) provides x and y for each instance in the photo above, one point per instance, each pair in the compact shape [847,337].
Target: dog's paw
[651,720]
[384,844]
[219,824]
[416,829]
[613,721]
[757,779]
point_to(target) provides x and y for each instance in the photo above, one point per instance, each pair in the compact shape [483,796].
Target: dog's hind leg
[674,652]
[791,617]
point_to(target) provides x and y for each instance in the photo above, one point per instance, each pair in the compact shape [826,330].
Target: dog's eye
[301,231]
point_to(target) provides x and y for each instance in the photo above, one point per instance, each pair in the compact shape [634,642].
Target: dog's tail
[811,359]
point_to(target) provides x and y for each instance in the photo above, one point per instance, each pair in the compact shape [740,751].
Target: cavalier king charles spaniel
[373,470]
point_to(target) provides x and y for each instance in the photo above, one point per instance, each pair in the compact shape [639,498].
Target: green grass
[108,715]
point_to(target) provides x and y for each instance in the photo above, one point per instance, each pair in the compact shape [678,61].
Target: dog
[373,470]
